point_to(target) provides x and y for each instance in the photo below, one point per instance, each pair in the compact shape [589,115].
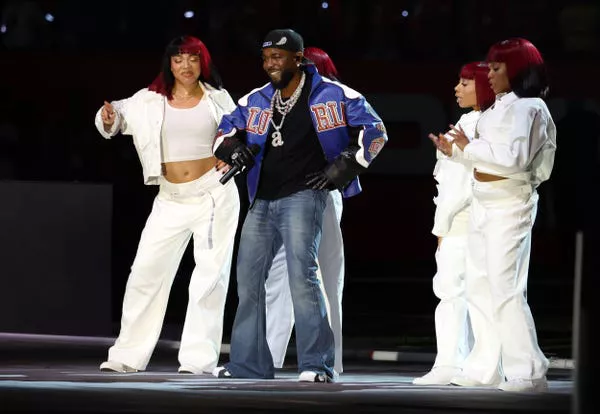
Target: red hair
[165,80]
[479,72]
[322,61]
[518,54]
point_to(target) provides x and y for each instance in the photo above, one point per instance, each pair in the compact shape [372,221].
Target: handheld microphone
[254,149]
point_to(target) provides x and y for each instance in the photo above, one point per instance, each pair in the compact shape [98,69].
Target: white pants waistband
[194,192]
[180,192]
[494,190]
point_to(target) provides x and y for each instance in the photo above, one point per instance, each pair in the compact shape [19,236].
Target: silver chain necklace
[283,108]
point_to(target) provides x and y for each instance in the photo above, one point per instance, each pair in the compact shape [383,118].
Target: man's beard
[286,77]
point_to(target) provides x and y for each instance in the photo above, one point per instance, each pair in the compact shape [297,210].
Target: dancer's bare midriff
[484,177]
[185,171]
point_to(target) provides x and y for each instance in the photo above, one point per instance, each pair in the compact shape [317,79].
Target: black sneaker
[222,372]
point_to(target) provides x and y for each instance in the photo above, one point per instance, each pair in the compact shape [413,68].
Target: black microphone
[254,149]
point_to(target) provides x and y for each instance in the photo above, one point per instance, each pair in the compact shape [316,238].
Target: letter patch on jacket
[258,120]
[376,146]
[328,115]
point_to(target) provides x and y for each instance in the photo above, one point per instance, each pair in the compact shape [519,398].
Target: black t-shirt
[284,168]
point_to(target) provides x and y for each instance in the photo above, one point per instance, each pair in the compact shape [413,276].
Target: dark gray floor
[54,374]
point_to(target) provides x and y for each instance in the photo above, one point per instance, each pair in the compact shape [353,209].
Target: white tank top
[188,134]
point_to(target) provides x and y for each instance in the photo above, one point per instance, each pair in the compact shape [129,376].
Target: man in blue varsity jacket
[298,137]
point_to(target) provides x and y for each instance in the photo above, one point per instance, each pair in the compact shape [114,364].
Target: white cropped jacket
[141,116]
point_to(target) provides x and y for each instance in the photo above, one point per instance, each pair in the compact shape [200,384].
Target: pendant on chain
[277,139]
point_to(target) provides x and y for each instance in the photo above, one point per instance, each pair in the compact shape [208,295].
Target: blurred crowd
[364,29]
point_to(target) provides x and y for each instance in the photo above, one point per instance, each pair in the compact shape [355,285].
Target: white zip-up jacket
[454,177]
[141,116]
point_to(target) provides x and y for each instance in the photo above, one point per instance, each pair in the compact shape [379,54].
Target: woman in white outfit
[280,313]
[451,220]
[173,123]
[512,154]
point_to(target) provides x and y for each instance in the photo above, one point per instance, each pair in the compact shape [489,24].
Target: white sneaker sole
[113,366]
[313,377]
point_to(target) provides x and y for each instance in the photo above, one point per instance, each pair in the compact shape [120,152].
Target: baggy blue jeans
[296,221]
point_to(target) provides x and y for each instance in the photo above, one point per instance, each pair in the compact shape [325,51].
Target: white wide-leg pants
[502,217]
[451,317]
[209,211]
[280,313]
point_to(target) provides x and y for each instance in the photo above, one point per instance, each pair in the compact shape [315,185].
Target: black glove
[319,181]
[338,174]
[242,157]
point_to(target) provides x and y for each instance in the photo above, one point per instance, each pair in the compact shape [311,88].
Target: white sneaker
[437,376]
[524,385]
[312,376]
[114,366]
[187,370]
[465,381]
[190,369]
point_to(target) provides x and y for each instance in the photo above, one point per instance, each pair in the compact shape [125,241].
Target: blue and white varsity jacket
[334,108]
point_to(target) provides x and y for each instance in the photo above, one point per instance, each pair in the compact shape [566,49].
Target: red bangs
[517,53]
[194,46]
[479,72]
[469,69]
[163,83]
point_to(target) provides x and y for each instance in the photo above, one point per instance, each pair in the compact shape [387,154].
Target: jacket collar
[208,89]
[505,99]
[316,78]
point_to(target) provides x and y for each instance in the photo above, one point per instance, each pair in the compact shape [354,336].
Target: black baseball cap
[285,39]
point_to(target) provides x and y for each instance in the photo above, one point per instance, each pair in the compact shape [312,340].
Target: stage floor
[60,374]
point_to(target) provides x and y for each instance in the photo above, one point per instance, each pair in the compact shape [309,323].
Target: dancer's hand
[460,138]
[222,166]
[108,114]
[442,144]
